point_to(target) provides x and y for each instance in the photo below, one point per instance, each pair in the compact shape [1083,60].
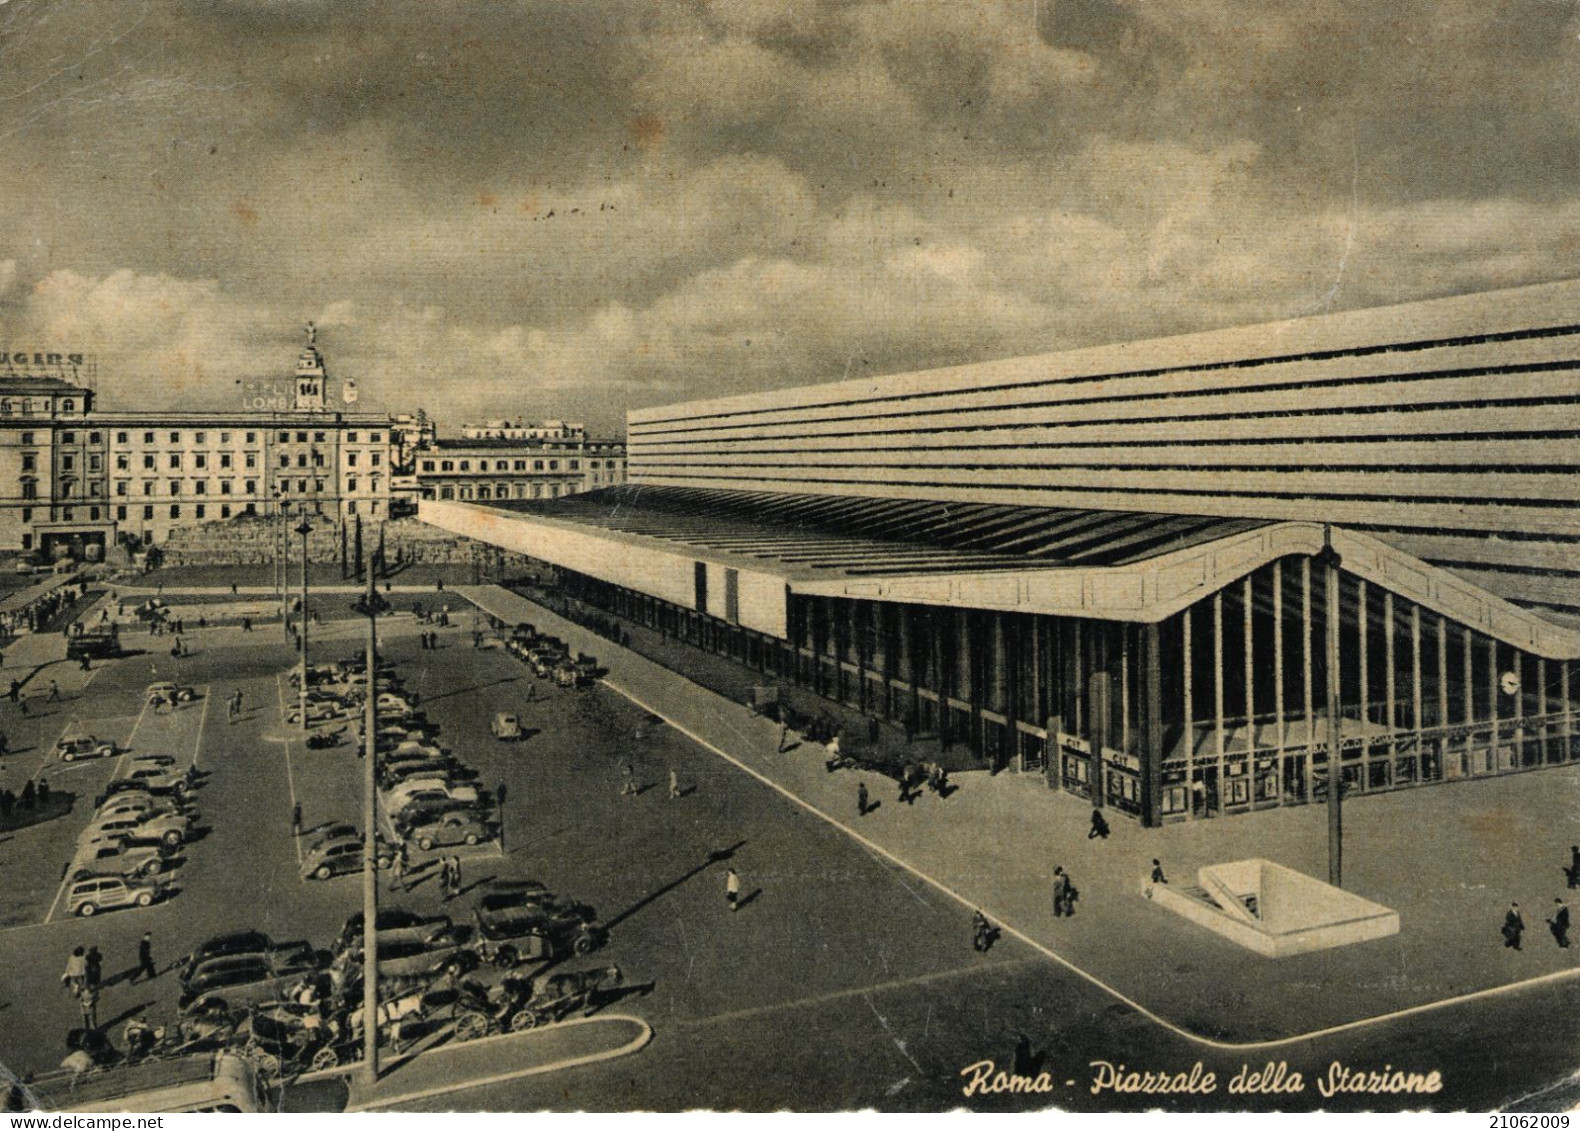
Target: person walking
[1157,872]
[444,878]
[1061,894]
[146,971]
[455,875]
[1559,923]
[1513,927]
[95,968]
[674,784]
[981,932]
[628,780]
[1572,873]
[76,974]
[402,862]
[246,624]
[732,889]
[1099,829]
[784,733]
[54,692]
[861,799]
[296,819]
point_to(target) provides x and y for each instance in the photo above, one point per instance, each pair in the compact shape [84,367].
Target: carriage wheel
[584,944]
[525,1019]
[469,1026]
[325,1057]
[267,1063]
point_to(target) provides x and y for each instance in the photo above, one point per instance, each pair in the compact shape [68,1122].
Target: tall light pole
[372,605]
[304,530]
[1330,561]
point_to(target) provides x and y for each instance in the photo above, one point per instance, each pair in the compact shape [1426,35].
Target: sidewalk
[494,1060]
[1449,858]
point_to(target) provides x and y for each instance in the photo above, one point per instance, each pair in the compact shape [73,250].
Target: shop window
[1176,799]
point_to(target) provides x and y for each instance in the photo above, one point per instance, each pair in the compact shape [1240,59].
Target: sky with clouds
[571,208]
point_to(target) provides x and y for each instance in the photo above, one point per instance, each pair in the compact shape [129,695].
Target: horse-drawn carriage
[515,1003]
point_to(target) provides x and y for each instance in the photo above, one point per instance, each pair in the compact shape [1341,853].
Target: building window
[224,510]
[200,510]
[27,514]
[502,491]
[250,509]
[120,438]
[252,459]
[120,514]
[148,438]
[447,492]
[200,460]
[318,437]
[95,488]
[351,484]
[537,465]
[252,437]
[93,514]
[27,437]
[94,437]
[148,513]
[202,437]
[175,510]
[373,437]
[351,507]
[351,459]
[123,463]
[427,465]
[122,487]
[554,465]
[301,486]
[29,461]
[175,487]
[576,465]
[67,463]
[30,488]
[175,461]
[447,465]
[301,437]
[175,437]
[68,437]
[224,460]
[224,437]
[27,541]
[251,486]
[318,459]
[318,484]
[351,437]
[466,465]
[285,437]
[285,461]
[68,405]
[201,487]
[483,491]
[224,487]
[301,459]
[148,486]
[521,465]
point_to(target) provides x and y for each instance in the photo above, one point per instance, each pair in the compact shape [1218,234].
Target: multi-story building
[1183,578]
[525,430]
[470,469]
[90,478]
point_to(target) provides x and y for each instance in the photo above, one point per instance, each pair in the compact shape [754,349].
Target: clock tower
[310,375]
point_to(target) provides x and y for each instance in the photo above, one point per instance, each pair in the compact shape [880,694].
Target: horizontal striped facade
[1449,429]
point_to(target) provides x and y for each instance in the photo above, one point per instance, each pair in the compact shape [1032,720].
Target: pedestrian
[95,963]
[861,799]
[732,889]
[981,932]
[455,875]
[1513,927]
[29,793]
[88,1000]
[145,959]
[296,819]
[1099,827]
[628,780]
[43,793]
[76,975]
[1062,902]
[674,784]
[402,860]
[1559,923]
[1157,872]
[1572,873]
[86,665]
[784,734]
[246,624]
[54,692]
[500,793]
[444,878]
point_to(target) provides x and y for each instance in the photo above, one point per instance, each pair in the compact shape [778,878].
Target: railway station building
[1170,575]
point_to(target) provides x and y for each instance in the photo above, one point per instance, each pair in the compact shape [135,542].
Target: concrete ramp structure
[1274,910]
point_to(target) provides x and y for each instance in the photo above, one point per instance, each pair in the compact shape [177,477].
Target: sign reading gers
[23,359]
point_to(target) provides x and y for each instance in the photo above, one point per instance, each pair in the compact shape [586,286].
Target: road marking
[197,744]
[1008,928]
[856,991]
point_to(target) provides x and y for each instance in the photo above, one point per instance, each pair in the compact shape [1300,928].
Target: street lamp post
[372,605]
[304,530]
[1330,561]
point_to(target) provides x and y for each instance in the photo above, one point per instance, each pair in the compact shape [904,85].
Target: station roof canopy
[1115,565]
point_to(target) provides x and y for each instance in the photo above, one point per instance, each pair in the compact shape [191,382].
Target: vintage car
[506,726]
[169,829]
[511,931]
[168,693]
[84,746]
[225,946]
[116,856]
[459,826]
[92,894]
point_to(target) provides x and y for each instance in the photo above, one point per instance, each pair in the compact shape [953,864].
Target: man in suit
[1559,923]
[1513,927]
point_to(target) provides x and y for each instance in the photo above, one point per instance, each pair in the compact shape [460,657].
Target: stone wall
[254,541]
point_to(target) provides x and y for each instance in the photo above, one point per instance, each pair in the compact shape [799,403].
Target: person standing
[1559,923]
[95,965]
[1157,872]
[1099,827]
[1513,927]
[628,780]
[402,860]
[444,878]
[54,692]
[75,977]
[1572,873]
[146,970]
[861,799]
[1061,893]
[732,889]
[455,875]
[674,784]
[296,819]
[88,1000]
[784,733]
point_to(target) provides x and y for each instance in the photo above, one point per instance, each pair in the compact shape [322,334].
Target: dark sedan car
[222,946]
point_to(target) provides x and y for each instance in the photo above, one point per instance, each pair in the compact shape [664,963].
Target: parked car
[138,802]
[84,746]
[395,921]
[517,931]
[169,693]
[92,894]
[394,773]
[158,778]
[244,980]
[445,949]
[338,855]
[460,826]
[116,857]
[170,829]
[221,946]
[322,711]
[506,726]
[421,810]
[153,760]
[138,787]
[400,795]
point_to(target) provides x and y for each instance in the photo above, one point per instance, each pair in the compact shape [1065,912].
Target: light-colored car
[135,802]
[399,796]
[506,726]
[157,778]
[93,894]
[84,746]
[116,856]
[169,829]
[338,855]
[389,701]
[169,693]
[458,827]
